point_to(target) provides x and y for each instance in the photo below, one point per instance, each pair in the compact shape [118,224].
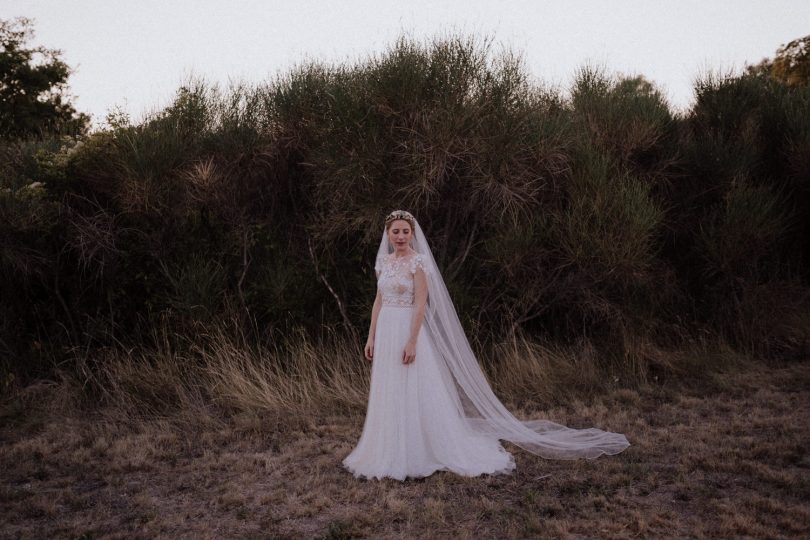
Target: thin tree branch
[334,294]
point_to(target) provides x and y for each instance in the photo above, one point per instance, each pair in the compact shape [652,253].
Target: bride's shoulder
[381,261]
[418,261]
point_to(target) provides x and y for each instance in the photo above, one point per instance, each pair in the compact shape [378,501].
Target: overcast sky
[135,53]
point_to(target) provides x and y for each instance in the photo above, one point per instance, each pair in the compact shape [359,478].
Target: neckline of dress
[393,255]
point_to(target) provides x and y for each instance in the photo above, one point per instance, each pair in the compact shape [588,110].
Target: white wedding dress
[413,426]
[439,411]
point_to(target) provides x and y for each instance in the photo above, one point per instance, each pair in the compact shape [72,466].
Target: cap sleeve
[418,262]
[378,264]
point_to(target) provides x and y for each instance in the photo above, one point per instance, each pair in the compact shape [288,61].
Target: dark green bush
[601,215]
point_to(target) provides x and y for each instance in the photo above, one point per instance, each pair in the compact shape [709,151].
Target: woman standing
[430,406]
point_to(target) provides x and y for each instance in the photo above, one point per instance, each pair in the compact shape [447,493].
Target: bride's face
[400,234]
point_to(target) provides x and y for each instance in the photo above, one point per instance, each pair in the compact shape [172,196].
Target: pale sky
[134,54]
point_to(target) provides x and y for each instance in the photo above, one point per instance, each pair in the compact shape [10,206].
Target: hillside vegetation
[589,220]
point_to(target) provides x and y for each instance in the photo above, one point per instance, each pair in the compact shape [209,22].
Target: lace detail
[418,262]
[396,278]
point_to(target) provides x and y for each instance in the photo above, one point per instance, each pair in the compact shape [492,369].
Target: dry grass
[723,455]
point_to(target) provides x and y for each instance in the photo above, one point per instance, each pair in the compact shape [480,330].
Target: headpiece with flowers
[400,214]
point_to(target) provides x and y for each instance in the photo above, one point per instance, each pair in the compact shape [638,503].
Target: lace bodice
[396,278]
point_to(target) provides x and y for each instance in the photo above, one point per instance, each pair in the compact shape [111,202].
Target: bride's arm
[419,300]
[369,348]
[375,310]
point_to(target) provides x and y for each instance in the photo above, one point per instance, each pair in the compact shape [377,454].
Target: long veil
[477,403]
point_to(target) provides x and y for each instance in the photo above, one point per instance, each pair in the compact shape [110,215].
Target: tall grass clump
[220,374]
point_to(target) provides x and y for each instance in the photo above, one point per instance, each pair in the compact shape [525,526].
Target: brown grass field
[722,454]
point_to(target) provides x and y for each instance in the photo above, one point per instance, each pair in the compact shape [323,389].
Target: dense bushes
[600,214]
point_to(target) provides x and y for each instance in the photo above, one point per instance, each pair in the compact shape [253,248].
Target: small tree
[33,85]
[790,65]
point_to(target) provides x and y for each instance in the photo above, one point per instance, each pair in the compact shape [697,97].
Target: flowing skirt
[413,424]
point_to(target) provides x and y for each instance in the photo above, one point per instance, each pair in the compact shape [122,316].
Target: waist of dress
[400,306]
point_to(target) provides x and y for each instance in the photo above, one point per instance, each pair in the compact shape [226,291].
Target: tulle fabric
[413,427]
[479,405]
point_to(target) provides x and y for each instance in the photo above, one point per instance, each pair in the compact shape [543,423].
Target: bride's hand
[409,354]
[369,350]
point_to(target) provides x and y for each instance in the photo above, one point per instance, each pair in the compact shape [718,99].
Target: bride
[430,407]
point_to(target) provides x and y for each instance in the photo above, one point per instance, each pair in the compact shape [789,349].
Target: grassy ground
[725,456]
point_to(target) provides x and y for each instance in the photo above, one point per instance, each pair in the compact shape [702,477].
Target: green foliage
[744,230]
[194,288]
[610,220]
[628,117]
[33,80]
[601,216]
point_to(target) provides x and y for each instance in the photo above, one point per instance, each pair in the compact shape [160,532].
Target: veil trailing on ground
[477,403]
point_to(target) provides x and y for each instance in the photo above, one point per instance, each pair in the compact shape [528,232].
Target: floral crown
[400,214]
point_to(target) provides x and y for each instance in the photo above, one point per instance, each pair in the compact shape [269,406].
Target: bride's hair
[399,214]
